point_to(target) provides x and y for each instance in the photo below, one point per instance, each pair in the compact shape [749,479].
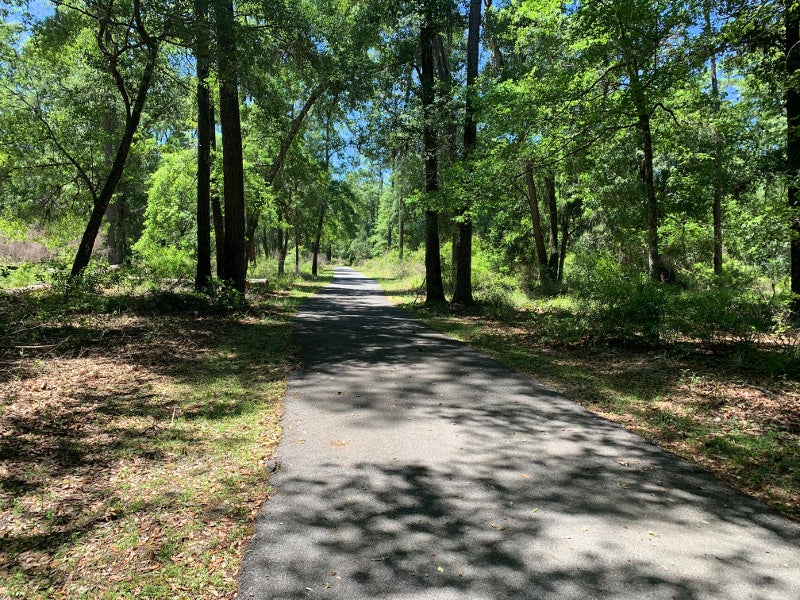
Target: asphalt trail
[415,468]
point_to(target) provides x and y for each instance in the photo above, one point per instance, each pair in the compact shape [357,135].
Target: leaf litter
[132,454]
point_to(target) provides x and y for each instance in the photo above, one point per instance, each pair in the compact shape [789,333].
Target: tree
[234,266]
[115,42]
[434,288]
[792,53]
[462,293]
[205,132]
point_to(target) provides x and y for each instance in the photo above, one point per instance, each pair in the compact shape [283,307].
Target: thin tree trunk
[296,251]
[565,217]
[317,239]
[654,266]
[234,264]
[216,207]
[462,293]
[113,212]
[792,21]
[286,144]
[401,229]
[719,181]
[552,205]
[205,130]
[283,242]
[536,224]
[434,289]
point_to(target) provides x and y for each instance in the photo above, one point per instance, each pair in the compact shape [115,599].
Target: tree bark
[401,229]
[719,178]
[536,224]
[462,293]
[296,250]
[552,205]
[205,130]
[216,207]
[654,265]
[283,247]
[115,214]
[434,288]
[565,218]
[234,265]
[317,239]
[792,22]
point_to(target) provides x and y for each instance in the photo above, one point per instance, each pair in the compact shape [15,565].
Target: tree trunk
[286,144]
[719,180]
[434,289]
[116,231]
[792,21]
[216,207]
[552,205]
[234,265]
[401,229]
[250,237]
[283,243]
[219,230]
[296,251]
[265,239]
[205,129]
[565,217]
[317,239]
[114,211]
[462,293]
[536,225]
[654,266]
[102,200]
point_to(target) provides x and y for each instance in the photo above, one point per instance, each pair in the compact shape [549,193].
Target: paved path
[415,468]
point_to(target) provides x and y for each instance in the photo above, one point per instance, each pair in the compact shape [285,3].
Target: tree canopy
[655,135]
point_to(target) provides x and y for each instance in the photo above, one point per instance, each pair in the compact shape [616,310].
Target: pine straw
[133,449]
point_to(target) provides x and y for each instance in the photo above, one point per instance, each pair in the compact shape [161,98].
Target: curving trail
[415,468]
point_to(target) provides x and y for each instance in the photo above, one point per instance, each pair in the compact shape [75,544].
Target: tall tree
[792,50]
[113,45]
[434,288]
[205,131]
[719,175]
[234,266]
[462,294]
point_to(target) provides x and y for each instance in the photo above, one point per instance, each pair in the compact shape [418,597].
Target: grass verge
[134,440]
[726,407]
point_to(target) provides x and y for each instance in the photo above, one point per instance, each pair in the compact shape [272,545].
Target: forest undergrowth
[135,432]
[726,398]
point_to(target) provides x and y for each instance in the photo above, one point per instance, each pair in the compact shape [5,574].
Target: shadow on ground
[413,467]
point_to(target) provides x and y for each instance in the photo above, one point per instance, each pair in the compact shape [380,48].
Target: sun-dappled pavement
[414,467]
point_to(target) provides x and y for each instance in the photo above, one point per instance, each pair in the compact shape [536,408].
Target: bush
[164,262]
[618,302]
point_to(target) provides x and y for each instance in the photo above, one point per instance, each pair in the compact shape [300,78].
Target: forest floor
[730,408]
[134,439]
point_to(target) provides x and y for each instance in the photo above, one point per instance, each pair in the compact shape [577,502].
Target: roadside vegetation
[708,372]
[136,426]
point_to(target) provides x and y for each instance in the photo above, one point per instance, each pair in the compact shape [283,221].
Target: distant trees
[658,132]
